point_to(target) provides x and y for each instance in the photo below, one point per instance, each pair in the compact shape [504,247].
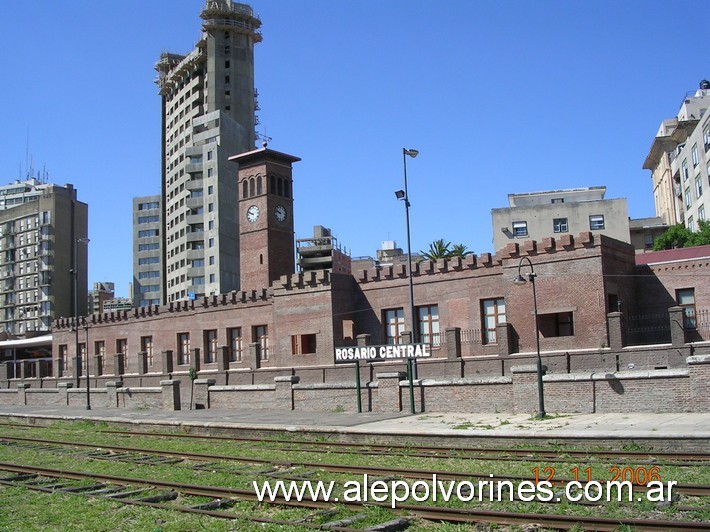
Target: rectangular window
[694,155]
[100,351]
[493,314]
[701,212]
[234,339]
[428,325]
[556,324]
[82,356]
[260,335]
[686,300]
[63,359]
[596,221]
[183,348]
[559,225]
[706,137]
[520,228]
[210,341]
[558,200]
[698,186]
[691,224]
[688,198]
[303,344]
[147,347]
[148,219]
[684,169]
[394,325]
[122,349]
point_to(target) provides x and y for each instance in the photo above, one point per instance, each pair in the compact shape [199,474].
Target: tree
[439,249]
[460,250]
[679,236]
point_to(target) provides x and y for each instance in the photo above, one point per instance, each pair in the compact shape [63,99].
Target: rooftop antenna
[265,139]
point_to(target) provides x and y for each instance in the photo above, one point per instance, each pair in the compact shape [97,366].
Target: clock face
[253,213]
[280,213]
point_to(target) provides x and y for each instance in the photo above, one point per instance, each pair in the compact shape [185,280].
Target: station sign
[380,353]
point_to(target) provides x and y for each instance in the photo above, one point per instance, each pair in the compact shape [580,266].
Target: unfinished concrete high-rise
[208,115]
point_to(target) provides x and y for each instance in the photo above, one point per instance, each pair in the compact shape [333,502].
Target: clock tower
[265,211]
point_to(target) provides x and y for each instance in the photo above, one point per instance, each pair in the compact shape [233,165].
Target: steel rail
[421,451]
[424,512]
[687,489]
[538,453]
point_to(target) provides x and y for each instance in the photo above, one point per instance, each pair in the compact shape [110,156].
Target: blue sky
[498,96]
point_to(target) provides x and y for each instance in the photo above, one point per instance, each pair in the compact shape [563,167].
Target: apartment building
[147,251]
[538,215]
[679,161]
[98,295]
[41,228]
[208,115]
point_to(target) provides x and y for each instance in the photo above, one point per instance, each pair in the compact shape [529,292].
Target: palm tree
[439,249]
[460,250]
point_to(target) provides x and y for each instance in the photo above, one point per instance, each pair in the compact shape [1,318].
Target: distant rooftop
[567,195]
[672,255]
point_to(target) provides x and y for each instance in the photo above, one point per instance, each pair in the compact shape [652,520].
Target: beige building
[679,163]
[39,228]
[209,105]
[537,215]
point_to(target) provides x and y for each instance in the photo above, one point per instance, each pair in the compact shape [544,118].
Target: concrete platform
[689,431]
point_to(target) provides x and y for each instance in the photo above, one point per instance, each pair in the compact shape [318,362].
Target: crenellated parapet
[231,299]
[547,246]
[303,281]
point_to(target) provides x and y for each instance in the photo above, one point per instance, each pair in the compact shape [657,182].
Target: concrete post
[4,371]
[699,383]
[63,388]
[195,358]
[170,395]
[201,393]
[388,395]
[525,398]
[255,355]
[118,364]
[142,362]
[166,358]
[675,315]
[112,393]
[59,372]
[284,391]
[22,393]
[453,343]
[223,359]
[616,333]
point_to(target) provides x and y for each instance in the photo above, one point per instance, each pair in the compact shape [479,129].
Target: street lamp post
[520,280]
[88,380]
[75,272]
[404,195]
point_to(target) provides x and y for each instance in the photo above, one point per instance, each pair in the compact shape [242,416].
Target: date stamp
[637,476]
[623,484]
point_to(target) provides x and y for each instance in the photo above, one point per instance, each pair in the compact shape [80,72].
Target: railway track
[679,459]
[387,472]
[127,490]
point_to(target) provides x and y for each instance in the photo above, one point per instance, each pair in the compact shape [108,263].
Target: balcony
[196,236]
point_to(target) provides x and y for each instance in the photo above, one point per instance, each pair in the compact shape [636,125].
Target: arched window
[251,187]
[279,187]
[272,184]
[287,192]
[258,184]
[245,189]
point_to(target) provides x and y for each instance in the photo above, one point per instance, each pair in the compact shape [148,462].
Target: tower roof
[263,155]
